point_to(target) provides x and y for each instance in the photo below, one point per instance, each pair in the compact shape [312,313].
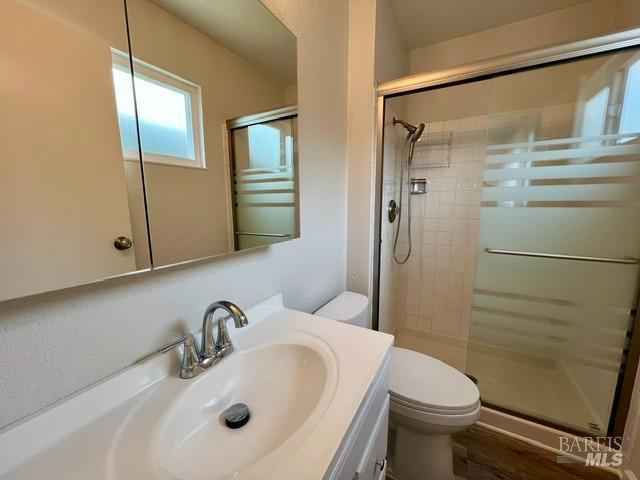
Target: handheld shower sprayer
[413,136]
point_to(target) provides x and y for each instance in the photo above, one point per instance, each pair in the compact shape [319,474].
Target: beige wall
[627,14]
[108,326]
[376,52]
[61,174]
[362,24]
[587,19]
[188,206]
[392,54]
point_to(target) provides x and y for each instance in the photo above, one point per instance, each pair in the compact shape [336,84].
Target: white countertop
[78,439]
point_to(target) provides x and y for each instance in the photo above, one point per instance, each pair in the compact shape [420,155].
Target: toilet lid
[345,307]
[428,383]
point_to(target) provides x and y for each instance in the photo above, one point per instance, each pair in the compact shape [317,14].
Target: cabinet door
[65,192]
[375,454]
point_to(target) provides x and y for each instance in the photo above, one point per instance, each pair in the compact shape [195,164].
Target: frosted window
[165,124]
[595,115]
[264,146]
[169,116]
[126,112]
[630,117]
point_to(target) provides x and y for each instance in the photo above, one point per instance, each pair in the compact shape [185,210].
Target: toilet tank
[347,307]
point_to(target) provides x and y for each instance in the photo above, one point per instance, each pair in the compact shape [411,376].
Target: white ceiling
[424,22]
[247,28]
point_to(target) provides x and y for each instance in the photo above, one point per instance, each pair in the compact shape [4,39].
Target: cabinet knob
[123,243]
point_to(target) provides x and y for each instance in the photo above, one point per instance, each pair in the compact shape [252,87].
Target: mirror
[105,173]
[205,73]
[69,208]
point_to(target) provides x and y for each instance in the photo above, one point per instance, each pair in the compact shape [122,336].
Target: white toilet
[429,401]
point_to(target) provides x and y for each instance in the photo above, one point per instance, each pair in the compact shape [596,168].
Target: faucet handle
[190,358]
[187,339]
[223,341]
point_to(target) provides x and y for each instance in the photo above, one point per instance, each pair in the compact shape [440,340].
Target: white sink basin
[303,378]
[286,381]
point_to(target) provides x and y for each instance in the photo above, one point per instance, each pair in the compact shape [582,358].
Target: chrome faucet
[211,351]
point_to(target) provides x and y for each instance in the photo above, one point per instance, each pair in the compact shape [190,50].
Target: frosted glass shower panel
[559,237]
[265,198]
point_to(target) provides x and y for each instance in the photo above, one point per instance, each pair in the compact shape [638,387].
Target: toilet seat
[430,409]
[433,422]
[425,385]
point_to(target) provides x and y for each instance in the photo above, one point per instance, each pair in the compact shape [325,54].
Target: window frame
[163,78]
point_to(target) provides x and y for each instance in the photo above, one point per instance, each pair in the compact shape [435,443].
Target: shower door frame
[487,69]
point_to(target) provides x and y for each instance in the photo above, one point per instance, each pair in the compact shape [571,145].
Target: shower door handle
[623,261]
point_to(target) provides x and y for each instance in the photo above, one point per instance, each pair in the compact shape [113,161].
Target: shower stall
[521,244]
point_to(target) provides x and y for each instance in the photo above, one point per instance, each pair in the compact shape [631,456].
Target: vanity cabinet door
[373,462]
[365,444]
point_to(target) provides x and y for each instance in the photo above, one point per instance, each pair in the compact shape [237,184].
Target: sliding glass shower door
[556,274]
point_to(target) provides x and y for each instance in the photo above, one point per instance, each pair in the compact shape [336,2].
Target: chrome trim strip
[559,203]
[506,63]
[268,116]
[255,234]
[624,261]
[537,182]
[378,217]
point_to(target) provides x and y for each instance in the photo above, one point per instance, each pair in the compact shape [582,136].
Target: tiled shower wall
[433,290]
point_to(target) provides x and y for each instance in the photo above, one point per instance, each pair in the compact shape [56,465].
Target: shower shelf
[433,150]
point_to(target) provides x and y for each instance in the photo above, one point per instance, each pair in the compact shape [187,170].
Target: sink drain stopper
[237,415]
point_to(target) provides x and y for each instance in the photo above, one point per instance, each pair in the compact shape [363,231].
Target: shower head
[416,135]
[414,131]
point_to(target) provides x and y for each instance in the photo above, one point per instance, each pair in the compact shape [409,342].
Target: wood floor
[481,454]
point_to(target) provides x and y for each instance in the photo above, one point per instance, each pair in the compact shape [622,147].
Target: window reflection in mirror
[198,64]
[169,114]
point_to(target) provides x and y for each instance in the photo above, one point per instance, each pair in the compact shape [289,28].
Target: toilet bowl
[429,401]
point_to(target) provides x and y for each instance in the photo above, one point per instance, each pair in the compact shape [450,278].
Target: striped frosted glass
[265,183]
[557,182]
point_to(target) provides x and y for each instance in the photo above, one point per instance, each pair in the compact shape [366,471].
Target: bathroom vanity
[318,406]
